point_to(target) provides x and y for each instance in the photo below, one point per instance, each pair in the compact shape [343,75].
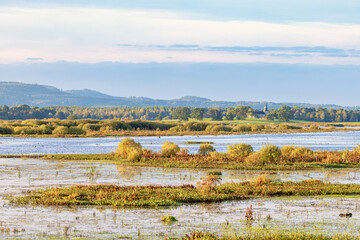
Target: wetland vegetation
[262,234]
[43,122]
[116,127]
[208,190]
[238,156]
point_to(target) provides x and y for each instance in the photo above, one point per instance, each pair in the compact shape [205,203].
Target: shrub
[179,128]
[286,152]
[239,151]
[357,148]
[129,149]
[116,125]
[286,127]
[168,219]
[242,128]
[75,131]
[205,148]
[183,152]
[257,128]
[92,127]
[134,155]
[297,154]
[6,130]
[43,129]
[196,126]
[302,154]
[60,130]
[261,179]
[208,183]
[267,155]
[217,128]
[169,149]
[333,158]
[218,156]
[314,128]
[21,130]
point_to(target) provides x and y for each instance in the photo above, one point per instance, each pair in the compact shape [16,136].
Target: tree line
[284,113]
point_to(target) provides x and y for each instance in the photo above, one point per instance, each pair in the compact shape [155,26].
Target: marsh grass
[153,196]
[262,234]
[197,142]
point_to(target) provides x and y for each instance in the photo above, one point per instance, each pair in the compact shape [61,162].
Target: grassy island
[207,190]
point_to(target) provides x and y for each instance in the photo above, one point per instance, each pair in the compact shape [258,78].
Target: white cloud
[92,35]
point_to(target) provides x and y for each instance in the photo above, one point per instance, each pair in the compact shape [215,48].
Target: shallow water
[325,141]
[19,175]
[304,214]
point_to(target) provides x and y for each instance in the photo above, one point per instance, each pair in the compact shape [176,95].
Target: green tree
[182,113]
[198,113]
[272,115]
[284,113]
[241,112]
[215,114]
[159,117]
[230,114]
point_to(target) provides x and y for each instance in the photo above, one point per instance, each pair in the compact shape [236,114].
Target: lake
[331,141]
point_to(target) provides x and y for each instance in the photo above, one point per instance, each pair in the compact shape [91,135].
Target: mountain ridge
[17,93]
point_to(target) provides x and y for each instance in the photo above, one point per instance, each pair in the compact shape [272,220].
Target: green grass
[264,234]
[153,196]
[199,142]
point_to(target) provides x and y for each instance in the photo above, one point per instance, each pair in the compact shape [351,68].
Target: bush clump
[179,128]
[261,179]
[168,219]
[268,154]
[239,151]
[196,126]
[129,149]
[169,149]
[293,154]
[62,130]
[257,127]
[205,148]
[242,128]
[217,128]
[217,156]
[6,130]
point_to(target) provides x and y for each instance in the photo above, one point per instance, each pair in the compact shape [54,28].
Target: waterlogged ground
[306,214]
[325,141]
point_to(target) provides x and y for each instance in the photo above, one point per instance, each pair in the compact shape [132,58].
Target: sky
[276,47]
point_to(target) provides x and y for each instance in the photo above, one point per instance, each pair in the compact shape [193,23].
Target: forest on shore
[283,114]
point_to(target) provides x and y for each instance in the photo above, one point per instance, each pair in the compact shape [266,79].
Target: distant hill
[88,93]
[14,93]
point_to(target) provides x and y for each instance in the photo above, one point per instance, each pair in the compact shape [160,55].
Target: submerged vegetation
[208,190]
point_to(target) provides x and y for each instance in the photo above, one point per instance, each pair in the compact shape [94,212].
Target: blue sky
[298,39]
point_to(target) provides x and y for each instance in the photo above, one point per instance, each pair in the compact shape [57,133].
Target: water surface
[325,141]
